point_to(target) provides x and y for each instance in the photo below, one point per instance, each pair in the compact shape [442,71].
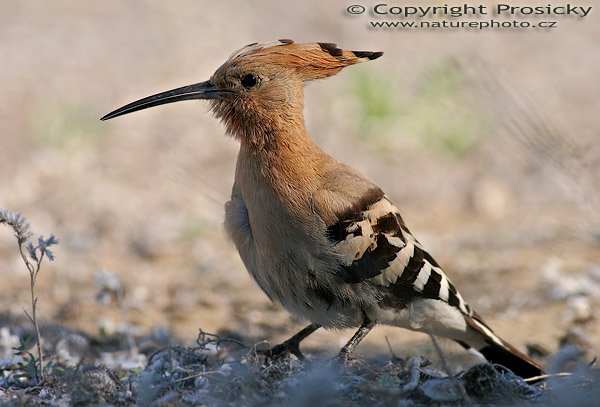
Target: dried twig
[393,355]
[441,355]
[447,370]
[203,339]
[539,378]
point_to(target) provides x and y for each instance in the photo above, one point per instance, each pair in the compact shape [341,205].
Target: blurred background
[486,140]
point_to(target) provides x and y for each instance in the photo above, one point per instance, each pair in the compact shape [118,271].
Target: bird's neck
[288,161]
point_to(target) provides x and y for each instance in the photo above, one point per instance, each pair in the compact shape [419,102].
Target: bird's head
[260,87]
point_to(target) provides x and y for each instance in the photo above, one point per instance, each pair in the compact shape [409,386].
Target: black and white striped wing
[377,247]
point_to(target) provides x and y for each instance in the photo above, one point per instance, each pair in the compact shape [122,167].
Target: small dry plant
[33,256]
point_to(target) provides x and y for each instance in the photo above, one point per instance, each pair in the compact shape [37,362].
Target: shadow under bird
[319,237]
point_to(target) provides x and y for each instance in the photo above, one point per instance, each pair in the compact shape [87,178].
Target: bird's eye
[249,81]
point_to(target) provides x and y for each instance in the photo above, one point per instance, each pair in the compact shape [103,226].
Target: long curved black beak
[202,90]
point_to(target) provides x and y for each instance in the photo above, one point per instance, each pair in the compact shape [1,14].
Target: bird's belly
[336,315]
[289,270]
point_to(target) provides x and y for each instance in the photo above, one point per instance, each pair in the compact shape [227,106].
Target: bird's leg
[348,348]
[292,345]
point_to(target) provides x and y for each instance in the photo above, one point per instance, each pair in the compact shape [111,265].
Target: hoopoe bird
[318,236]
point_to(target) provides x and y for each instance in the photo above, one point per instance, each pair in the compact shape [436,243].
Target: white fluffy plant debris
[32,368]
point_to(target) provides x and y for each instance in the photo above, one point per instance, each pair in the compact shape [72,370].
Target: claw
[343,358]
[292,345]
[287,347]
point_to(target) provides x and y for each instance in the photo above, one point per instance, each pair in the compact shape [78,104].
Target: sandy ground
[487,141]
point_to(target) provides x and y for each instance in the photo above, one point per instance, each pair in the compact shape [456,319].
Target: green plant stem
[33,272]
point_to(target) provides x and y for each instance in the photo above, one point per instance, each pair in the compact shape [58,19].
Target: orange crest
[310,60]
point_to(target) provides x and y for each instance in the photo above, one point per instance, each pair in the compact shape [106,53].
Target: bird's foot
[288,347]
[285,348]
[345,356]
[292,345]
[343,359]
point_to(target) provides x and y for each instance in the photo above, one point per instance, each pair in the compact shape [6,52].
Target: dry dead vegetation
[221,371]
[487,141]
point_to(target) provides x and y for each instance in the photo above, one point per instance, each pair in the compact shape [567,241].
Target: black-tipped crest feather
[331,48]
[367,54]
